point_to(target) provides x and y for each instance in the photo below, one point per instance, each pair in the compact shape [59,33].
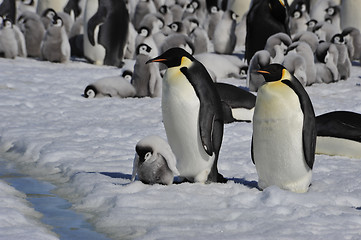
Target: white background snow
[86,148]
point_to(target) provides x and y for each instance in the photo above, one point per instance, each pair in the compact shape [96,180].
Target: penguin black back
[265,18]
[8,10]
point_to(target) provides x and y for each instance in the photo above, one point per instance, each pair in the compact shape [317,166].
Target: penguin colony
[178,49]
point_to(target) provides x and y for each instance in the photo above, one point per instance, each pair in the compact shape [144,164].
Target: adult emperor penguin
[265,18]
[8,10]
[109,28]
[284,132]
[192,116]
[154,161]
[339,133]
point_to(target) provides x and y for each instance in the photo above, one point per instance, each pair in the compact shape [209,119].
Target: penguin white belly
[277,140]
[95,53]
[180,108]
[221,37]
[338,146]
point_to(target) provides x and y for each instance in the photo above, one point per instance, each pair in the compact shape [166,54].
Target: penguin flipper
[309,132]
[209,120]
[97,19]
[135,167]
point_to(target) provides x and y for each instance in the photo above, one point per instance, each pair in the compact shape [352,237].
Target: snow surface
[86,148]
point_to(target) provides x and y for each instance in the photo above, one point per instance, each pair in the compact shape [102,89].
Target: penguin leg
[214,175]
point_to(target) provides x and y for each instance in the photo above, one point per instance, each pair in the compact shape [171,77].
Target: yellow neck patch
[186,62]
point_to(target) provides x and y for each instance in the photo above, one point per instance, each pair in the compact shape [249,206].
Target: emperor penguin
[192,116]
[146,78]
[339,133]
[57,5]
[55,46]
[108,27]
[284,132]
[265,18]
[8,10]
[277,45]
[8,43]
[344,62]
[33,30]
[224,37]
[326,65]
[353,42]
[154,161]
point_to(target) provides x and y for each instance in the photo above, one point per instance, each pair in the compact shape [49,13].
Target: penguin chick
[224,38]
[298,21]
[284,132]
[297,66]
[344,62]
[304,50]
[353,42]
[154,161]
[118,86]
[33,30]
[259,60]
[277,45]
[8,43]
[308,37]
[146,77]
[333,15]
[327,58]
[55,46]
[324,31]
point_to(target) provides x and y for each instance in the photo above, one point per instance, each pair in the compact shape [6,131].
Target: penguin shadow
[244,182]
[117,175]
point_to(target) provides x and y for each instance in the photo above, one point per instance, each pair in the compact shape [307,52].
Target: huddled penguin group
[179,50]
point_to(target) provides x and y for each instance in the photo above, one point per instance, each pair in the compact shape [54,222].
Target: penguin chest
[180,108]
[277,139]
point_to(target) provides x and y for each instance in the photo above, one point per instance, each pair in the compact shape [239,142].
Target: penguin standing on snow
[55,46]
[265,18]
[109,28]
[154,161]
[8,43]
[284,132]
[224,38]
[192,116]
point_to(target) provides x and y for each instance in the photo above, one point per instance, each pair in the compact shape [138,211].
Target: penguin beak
[156,60]
[262,71]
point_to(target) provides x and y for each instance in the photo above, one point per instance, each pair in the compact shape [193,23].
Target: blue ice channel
[66,223]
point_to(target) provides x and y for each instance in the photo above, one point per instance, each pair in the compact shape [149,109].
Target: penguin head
[28,2]
[275,72]
[297,14]
[332,10]
[338,39]
[90,91]
[173,57]
[7,23]
[311,24]
[57,21]
[143,49]
[49,13]
[176,26]
[127,75]
[145,153]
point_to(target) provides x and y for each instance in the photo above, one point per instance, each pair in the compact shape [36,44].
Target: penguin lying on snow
[339,133]
[284,132]
[192,116]
[154,161]
[238,104]
[118,86]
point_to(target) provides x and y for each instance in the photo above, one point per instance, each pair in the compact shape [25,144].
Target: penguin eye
[143,32]
[303,7]
[128,77]
[90,94]
[174,27]
[296,14]
[234,16]
[330,11]
[214,9]
[147,156]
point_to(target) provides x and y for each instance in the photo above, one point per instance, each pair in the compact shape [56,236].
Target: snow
[86,148]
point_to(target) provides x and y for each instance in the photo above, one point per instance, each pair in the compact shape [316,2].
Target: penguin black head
[144,152]
[297,14]
[312,23]
[176,26]
[338,39]
[332,11]
[143,49]
[7,23]
[49,13]
[90,91]
[144,31]
[57,21]
[127,75]
[172,57]
[274,72]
